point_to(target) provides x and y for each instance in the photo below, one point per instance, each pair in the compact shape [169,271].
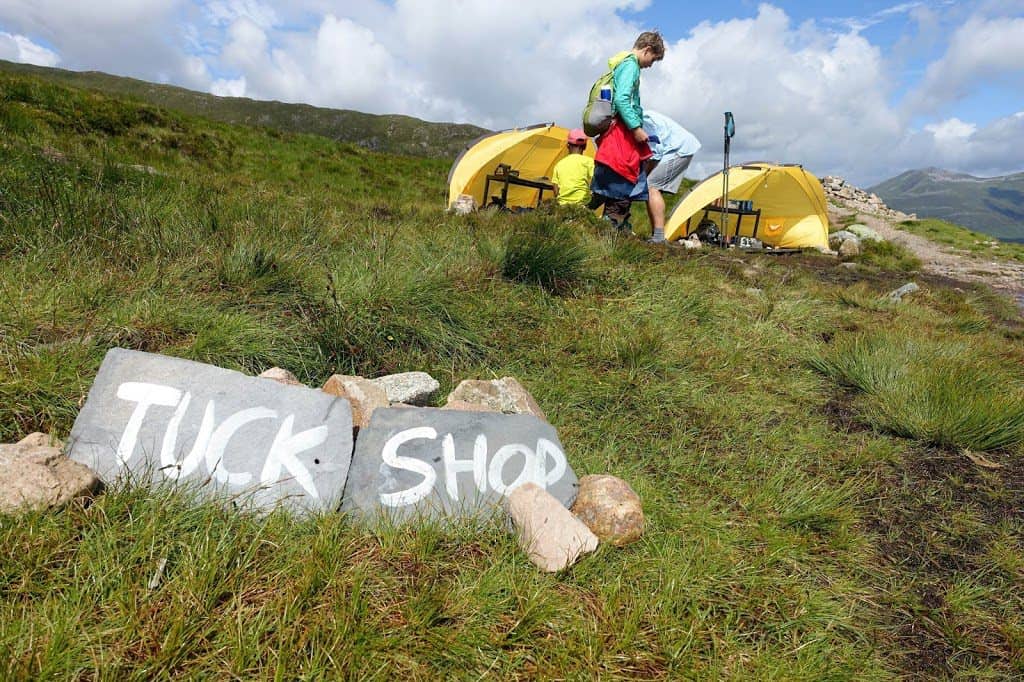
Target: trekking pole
[730,130]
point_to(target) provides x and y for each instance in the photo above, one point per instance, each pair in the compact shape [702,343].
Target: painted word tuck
[153,418]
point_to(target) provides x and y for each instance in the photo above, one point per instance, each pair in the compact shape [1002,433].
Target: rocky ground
[844,200]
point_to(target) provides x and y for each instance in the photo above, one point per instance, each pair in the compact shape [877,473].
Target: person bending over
[673,147]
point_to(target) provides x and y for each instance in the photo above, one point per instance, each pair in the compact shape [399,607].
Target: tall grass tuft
[544,251]
[944,395]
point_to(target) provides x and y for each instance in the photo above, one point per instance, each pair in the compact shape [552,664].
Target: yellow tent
[791,202]
[533,152]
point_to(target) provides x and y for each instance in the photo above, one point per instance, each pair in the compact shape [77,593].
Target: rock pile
[842,192]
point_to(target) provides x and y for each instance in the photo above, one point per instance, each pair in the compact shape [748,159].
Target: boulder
[364,396]
[864,232]
[414,388]
[504,395]
[281,376]
[41,477]
[610,509]
[548,532]
[849,248]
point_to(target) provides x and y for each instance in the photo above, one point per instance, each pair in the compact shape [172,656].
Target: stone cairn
[556,518]
[841,192]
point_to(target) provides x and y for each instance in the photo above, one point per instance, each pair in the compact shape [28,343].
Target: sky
[865,90]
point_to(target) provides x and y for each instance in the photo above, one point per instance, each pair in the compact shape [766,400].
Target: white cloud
[228,88]
[18,48]
[952,129]
[979,51]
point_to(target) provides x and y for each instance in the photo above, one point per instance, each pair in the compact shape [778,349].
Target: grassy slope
[809,516]
[388,133]
[963,239]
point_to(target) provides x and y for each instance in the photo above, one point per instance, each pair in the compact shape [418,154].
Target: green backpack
[598,114]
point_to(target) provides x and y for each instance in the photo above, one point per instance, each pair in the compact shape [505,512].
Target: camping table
[507,179]
[739,213]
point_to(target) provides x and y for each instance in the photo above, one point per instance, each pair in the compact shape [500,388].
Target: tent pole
[724,215]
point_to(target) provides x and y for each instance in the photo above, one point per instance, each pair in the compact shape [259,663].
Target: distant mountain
[389,133]
[993,206]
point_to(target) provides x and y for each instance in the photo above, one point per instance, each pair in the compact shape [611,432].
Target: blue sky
[865,90]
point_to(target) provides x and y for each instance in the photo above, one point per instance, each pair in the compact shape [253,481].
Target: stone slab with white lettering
[152,418]
[438,463]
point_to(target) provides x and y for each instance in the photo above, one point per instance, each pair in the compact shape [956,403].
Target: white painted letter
[545,448]
[528,473]
[393,459]
[219,442]
[145,395]
[452,466]
[283,451]
[169,458]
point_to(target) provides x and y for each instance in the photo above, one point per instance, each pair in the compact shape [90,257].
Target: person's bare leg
[656,213]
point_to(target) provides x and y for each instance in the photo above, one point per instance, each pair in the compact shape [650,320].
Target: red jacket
[620,151]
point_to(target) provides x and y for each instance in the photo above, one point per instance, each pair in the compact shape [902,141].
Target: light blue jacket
[673,139]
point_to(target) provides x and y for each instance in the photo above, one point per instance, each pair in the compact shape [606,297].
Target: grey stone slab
[154,419]
[447,463]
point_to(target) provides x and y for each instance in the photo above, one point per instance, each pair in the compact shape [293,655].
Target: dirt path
[1006,277]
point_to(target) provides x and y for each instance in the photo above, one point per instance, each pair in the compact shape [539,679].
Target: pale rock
[40,477]
[364,396]
[465,406]
[504,395]
[282,376]
[837,238]
[898,294]
[548,532]
[610,508]
[849,248]
[41,440]
[864,232]
[464,205]
[414,388]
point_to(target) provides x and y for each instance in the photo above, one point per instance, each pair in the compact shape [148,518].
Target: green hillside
[993,206]
[806,450]
[389,133]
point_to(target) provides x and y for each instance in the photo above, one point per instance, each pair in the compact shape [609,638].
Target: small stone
[898,294]
[610,508]
[849,266]
[364,396]
[39,477]
[849,248]
[548,532]
[504,395]
[837,238]
[464,205]
[281,376]
[415,388]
